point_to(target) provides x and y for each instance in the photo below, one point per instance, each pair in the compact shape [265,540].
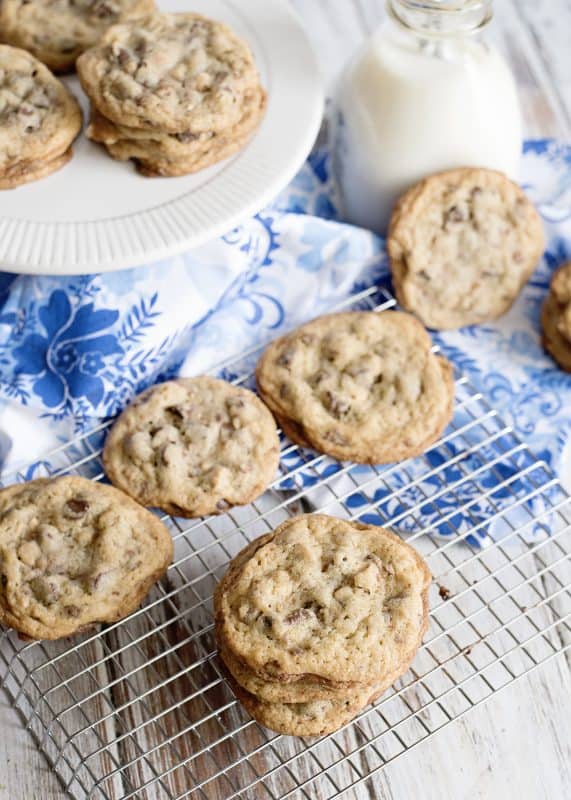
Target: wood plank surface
[518,746]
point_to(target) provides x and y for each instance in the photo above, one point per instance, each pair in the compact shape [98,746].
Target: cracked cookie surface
[324,598]
[556,317]
[359,386]
[462,244]
[74,553]
[193,446]
[177,73]
[58,31]
[39,119]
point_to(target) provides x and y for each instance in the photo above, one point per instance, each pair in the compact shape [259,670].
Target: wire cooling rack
[141,708]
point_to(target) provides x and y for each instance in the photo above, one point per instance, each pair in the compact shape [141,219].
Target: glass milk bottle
[425,94]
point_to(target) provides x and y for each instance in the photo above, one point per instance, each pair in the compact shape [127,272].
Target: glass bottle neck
[441,18]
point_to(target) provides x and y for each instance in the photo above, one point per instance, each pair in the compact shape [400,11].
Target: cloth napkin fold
[75,350]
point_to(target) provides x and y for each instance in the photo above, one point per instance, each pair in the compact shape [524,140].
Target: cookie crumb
[444,593]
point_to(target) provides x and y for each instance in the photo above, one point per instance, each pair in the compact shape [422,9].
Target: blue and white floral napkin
[75,350]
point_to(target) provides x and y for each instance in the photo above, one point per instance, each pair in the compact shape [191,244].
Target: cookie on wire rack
[462,244]
[193,446]
[74,553]
[318,618]
[360,386]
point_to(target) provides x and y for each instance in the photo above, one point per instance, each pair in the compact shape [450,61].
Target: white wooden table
[519,745]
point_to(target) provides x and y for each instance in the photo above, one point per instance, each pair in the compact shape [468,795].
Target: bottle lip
[441,18]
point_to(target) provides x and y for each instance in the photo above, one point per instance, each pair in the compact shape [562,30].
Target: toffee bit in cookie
[285,358]
[176,412]
[299,615]
[45,590]
[177,510]
[122,56]
[336,438]
[454,214]
[236,402]
[187,136]
[76,507]
[102,9]
[318,378]
[101,580]
[335,404]
[72,611]
[356,370]
[29,553]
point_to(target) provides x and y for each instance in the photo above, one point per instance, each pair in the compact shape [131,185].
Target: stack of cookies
[317,619]
[174,92]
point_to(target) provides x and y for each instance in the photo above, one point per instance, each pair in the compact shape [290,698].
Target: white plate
[97,214]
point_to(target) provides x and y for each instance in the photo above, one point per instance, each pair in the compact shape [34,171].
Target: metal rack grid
[141,708]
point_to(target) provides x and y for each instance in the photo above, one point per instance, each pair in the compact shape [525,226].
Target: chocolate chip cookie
[177,73]
[556,317]
[358,386]
[193,446]
[39,119]
[324,598]
[462,244]
[58,31]
[74,553]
